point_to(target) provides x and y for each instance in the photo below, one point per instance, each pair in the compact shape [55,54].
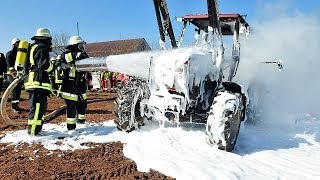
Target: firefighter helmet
[14,40]
[42,33]
[76,40]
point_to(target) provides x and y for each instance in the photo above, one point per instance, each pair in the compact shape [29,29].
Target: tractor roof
[202,21]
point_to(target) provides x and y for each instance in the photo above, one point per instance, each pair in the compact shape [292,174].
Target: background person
[12,74]
[3,69]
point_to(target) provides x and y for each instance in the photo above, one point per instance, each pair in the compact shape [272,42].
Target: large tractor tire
[225,116]
[127,104]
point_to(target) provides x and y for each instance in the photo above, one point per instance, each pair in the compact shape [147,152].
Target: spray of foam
[293,39]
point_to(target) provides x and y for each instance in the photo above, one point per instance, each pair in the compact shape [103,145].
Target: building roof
[100,49]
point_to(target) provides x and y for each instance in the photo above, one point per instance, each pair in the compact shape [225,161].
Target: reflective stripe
[31,76]
[31,54]
[50,67]
[68,57]
[36,85]
[69,96]
[81,116]
[72,72]
[78,55]
[84,96]
[1,76]
[71,121]
[51,74]
[59,90]
[57,75]
[36,114]
[11,68]
[35,120]
[15,101]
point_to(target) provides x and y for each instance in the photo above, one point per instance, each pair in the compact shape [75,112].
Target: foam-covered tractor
[190,85]
[179,85]
[184,86]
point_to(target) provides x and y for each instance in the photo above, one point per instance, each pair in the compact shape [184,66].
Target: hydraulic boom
[164,22]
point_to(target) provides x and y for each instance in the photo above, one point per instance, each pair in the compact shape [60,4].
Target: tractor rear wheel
[225,116]
[127,105]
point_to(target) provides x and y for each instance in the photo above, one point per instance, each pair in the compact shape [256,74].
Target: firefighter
[38,83]
[110,79]
[73,89]
[12,74]
[3,69]
[105,81]
[89,81]
[114,81]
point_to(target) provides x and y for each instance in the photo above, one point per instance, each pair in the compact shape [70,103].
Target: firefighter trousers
[16,95]
[38,106]
[1,84]
[75,108]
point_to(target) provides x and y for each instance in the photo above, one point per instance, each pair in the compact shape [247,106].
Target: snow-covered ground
[262,151]
[283,144]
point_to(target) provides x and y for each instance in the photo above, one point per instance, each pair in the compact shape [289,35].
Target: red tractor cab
[228,22]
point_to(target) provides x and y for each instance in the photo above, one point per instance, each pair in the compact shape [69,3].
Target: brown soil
[102,161]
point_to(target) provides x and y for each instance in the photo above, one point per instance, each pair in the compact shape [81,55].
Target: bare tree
[60,41]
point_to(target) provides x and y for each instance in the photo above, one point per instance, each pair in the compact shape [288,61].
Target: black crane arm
[164,22]
[213,15]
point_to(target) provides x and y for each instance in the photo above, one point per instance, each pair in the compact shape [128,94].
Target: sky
[101,20]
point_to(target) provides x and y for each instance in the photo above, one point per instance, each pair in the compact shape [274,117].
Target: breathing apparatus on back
[22,55]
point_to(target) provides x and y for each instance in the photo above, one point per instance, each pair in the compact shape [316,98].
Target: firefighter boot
[15,108]
[71,124]
[81,118]
[34,127]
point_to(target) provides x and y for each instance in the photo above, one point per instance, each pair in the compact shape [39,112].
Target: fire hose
[46,118]
[4,100]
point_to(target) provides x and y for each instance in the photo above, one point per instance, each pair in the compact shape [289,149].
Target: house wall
[96,80]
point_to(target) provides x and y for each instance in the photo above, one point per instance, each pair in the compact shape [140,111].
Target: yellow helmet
[76,40]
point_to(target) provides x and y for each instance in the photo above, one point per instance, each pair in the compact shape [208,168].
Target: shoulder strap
[32,54]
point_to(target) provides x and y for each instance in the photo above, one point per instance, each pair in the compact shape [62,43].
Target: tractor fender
[232,86]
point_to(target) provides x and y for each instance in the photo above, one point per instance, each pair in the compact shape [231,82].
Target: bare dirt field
[104,161]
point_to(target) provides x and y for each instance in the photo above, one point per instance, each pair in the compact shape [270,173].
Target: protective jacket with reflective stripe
[40,67]
[11,59]
[74,82]
[3,65]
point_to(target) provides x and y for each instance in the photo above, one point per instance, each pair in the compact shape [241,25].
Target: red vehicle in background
[122,79]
